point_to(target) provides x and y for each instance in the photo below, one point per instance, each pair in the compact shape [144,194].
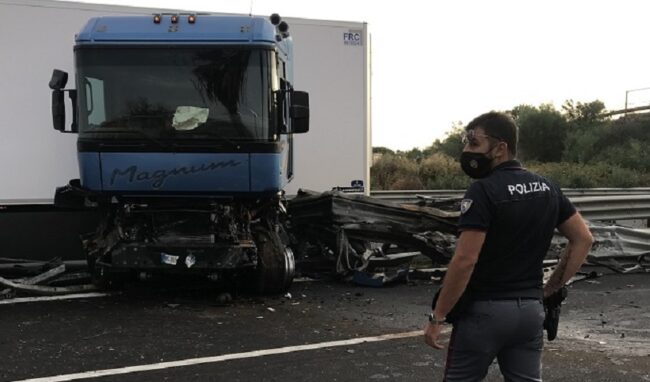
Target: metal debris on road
[365,240]
[370,241]
[47,282]
[373,242]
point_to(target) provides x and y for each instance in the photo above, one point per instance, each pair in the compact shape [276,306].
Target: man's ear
[502,149]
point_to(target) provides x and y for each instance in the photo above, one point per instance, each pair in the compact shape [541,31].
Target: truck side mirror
[59,79]
[57,83]
[58,110]
[299,112]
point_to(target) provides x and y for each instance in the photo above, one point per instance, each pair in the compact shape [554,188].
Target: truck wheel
[102,280]
[275,263]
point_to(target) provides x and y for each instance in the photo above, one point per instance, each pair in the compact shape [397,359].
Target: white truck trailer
[331,63]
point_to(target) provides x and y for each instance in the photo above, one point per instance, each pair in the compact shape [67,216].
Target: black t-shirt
[519,211]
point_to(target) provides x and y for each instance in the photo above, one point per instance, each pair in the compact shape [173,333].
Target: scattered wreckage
[43,278]
[365,240]
[372,241]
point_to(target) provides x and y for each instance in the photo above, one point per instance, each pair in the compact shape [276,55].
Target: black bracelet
[432,320]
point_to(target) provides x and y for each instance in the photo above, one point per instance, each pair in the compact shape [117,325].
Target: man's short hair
[498,125]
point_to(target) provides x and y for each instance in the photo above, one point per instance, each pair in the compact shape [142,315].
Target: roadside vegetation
[577,146]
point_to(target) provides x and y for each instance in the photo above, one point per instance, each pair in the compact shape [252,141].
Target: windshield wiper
[141,133]
[213,128]
[152,138]
[123,127]
[232,143]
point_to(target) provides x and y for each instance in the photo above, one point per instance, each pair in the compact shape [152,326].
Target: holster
[552,310]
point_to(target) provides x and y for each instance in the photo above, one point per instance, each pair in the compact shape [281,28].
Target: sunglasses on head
[470,138]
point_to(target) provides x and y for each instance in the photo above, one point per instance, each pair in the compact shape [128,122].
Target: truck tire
[275,263]
[103,280]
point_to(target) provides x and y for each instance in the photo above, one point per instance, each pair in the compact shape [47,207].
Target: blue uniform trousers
[509,330]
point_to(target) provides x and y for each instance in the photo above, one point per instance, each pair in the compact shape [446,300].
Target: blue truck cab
[185,104]
[179,110]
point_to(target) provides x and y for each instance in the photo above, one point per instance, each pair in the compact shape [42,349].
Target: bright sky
[437,62]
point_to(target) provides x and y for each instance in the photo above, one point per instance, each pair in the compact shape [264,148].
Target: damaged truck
[185,128]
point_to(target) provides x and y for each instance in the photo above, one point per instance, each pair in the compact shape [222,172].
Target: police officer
[494,282]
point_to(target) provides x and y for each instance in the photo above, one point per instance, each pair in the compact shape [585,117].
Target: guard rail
[411,195]
[597,204]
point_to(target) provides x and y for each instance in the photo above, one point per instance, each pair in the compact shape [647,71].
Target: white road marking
[52,298]
[221,358]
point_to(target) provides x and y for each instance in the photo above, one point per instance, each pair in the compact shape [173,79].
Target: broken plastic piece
[168,259]
[189,117]
[380,279]
[190,260]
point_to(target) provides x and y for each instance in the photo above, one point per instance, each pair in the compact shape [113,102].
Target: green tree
[579,113]
[414,154]
[394,172]
[585,123]
[452,145]
[382,150]
[582,144]
[440,171]
[574,175]
[541,132]
[622,142]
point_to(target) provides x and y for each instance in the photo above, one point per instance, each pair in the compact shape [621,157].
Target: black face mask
[476,165]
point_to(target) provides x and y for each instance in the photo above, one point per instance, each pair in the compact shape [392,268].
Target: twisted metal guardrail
[617,241]
[617,207]
[595,204]
[621,249]
[411,195]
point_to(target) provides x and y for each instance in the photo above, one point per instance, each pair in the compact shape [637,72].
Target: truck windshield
[174,93]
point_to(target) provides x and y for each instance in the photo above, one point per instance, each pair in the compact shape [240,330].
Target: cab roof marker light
[156,19]
[174,19]
[191,19]
[283,27]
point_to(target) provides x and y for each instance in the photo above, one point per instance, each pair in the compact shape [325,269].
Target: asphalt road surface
[323,331]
